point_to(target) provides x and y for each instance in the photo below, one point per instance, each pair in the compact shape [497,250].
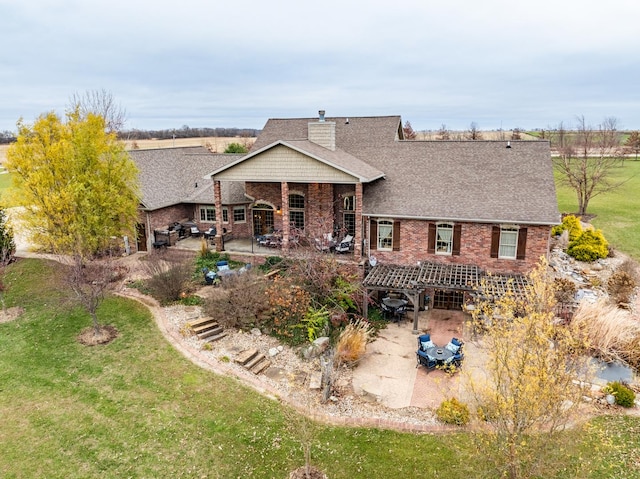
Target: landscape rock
[256,332]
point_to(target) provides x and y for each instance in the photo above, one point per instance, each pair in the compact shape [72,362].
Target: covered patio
[415,281]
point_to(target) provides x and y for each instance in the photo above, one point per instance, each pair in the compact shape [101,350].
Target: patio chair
[422,358]
[345,245]
[325,243]
[455,346]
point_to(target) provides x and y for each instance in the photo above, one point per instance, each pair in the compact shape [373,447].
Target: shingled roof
[171,176]
[481,181]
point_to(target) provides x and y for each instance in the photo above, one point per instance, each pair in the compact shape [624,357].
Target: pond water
[608,372]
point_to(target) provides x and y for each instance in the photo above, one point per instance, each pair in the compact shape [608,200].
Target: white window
[207,214]
[239,214]
[225,214]
[349,215]
[385,234]
[444,238]
[296,210]
[508,242]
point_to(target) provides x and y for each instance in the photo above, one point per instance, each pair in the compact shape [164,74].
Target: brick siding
[475,247]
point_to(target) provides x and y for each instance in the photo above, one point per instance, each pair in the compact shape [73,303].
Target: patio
[388,373]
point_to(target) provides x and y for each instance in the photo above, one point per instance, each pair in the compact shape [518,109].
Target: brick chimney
[323,132]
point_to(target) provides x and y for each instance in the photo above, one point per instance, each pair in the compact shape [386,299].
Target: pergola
[414,280]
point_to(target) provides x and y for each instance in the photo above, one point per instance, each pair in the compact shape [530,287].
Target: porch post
[415,299]
[217,198]
[357,240]
[286,224]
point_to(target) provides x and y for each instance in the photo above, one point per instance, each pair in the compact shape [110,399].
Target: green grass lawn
[137,408]
[617,212]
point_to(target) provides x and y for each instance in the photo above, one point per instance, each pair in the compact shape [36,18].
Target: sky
[212,63]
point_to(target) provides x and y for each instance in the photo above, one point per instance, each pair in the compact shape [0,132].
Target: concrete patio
[388,373]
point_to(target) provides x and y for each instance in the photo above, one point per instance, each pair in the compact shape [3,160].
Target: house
[485,203]
[174,190]
[434,214]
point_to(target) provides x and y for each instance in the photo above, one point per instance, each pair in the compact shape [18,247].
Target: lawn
[137,408]
[617,213]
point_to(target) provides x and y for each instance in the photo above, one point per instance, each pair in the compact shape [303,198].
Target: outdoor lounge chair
[345,245]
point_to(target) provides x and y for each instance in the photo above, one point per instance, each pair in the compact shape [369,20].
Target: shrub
[565,290]
[589,246]
[620,286]
[170,276]
[452,411]
[352,342]
[288,306]
[240,303]
[570,223]
[625,397]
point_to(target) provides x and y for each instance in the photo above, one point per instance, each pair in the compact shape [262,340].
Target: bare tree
[587,158]
[516,134]
[443,133]
[473,133]
[100,102]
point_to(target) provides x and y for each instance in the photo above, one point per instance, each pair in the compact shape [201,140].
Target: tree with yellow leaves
[527,391]
[77,189]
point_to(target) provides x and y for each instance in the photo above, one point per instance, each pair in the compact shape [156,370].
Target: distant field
[617,213]
[216,144]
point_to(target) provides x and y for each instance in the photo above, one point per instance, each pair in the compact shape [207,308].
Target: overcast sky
[213,63]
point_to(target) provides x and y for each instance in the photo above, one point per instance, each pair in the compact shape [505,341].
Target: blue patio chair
[456,348]
[424,342]
[422,358]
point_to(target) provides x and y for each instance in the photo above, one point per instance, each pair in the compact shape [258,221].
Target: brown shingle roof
[457,180]
[169,176]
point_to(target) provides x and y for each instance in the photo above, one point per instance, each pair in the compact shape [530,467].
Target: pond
[609,372]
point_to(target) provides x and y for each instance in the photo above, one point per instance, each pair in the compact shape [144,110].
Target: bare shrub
[565,290]
[631,268]
[613,334]
[243,303]
[620,286]
[352,342]
[170,273]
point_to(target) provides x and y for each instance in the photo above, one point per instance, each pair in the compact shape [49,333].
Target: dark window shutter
[396,236]
[431,239]
[522,243]
[373,232]
[495,241]
[457,233]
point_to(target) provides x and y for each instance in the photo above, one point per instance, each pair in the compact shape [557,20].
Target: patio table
[394,304]
[440,354]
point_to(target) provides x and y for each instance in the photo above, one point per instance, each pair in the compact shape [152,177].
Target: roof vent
[346,122]
[508,144]
[321,115]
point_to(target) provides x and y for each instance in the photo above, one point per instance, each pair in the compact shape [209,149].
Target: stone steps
[253,360]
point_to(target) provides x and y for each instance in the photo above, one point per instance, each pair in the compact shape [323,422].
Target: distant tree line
[7,137]
[187,132]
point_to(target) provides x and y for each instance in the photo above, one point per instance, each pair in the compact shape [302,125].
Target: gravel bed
[289,373]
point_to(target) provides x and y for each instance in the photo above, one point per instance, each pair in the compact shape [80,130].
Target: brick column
[357,240]
[217,199]
[286,224]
